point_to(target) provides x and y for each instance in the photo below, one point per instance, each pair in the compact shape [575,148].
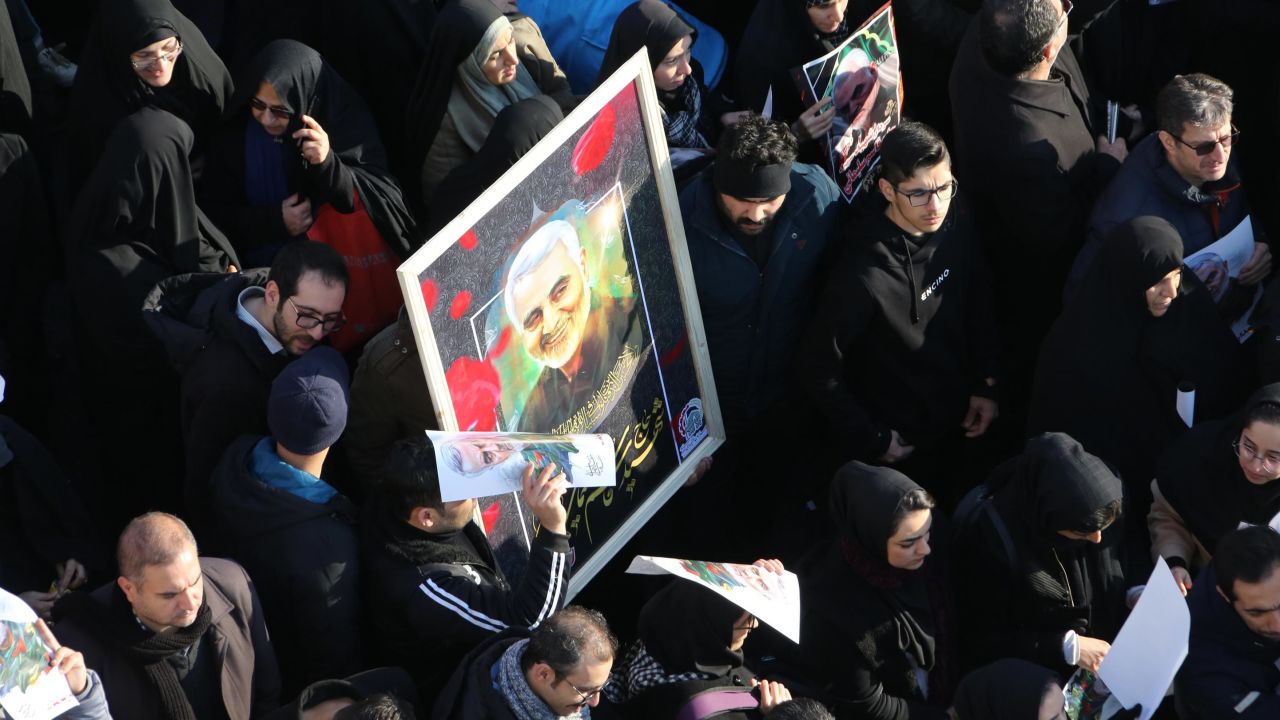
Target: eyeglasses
[584,696]
[1209,146]
[307,321]
[920,198]
[752,623]
[1269,463]
[1067,7]
[276,110]
[149,63]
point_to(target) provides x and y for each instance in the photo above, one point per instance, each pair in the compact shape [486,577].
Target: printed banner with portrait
[861,78]
[562,302]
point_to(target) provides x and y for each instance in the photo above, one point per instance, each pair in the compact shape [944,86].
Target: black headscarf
[864,504]
[307,85]
[515,131]
[459,27]
[1008,689]
[1200,476]
[1056,485]
[1109,370]
[15,89]
[107,89]
[687,627]
[650,24]
[136,222]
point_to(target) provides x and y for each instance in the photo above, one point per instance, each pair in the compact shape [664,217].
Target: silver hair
[1197,100]
[532,253]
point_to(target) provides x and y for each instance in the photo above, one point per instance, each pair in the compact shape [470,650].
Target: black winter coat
[470,694]
[304,558]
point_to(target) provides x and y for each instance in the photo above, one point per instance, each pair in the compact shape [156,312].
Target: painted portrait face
[154,63]
[857,85]
[551,302]
[478,455]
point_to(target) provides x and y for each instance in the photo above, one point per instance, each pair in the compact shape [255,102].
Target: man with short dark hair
[556,672]
[230,335]
[1185,173]
[902,354]
[434,589]
[1032,162]
[1233,664]
[176,636]
[758,226]
[292,531]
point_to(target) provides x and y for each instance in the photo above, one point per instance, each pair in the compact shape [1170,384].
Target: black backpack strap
[1002,530]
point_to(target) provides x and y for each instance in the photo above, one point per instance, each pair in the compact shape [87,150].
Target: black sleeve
[470,612]
[980,323]
[332,182]
[221,195]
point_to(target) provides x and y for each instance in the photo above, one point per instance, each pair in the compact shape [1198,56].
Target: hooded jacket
[753,316]
[904,334]
[1054,584]
[304,558]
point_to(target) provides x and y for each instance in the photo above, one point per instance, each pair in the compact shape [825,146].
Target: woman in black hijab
[1042,580]
[1010,689]
[1111,365]
[1220,474]
[690,113]
[299,139]
[690,643]
[515,131]
[876,636]
[478,62]
[141,53]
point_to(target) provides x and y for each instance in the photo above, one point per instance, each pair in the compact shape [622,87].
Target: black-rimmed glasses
[332,322]
[584,696]
[1209,146]
[920,198]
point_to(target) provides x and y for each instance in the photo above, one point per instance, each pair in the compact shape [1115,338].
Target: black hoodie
[304,559]
[902,345]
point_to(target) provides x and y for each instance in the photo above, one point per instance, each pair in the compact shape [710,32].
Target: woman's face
[267,108]
[154,63]
[826,17]
[500,67]
[1259,453]
[741,629]
[1161,295]
[909,545]
[673,69]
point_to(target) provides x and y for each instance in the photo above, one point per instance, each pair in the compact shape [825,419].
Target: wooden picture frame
[595,199]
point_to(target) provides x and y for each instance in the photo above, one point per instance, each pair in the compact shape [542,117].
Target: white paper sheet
[1151,646]
[767,111]
[1186,405]
[480,464]
[27,692]
[773,598]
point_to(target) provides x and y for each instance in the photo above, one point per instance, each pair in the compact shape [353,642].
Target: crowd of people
[1014,369]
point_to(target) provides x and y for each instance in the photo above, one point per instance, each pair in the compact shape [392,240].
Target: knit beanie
[307,410]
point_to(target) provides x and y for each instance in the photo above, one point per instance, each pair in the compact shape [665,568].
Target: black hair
[910,147]
[566,638]
[410,478]
[383,706]
[1248,554]
[758,141]
[1197,99]
[300,257]
[1265,412]
[801,709]
[1014,33]
[918,499]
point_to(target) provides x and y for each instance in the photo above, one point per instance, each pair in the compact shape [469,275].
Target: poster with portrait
[861,78]
[27,692]
[774,599]
[562,302]
[480,464]
[1218,266]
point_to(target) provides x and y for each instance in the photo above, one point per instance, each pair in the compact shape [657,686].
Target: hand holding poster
[1218,266]
[773,598]
[861,77]
[475,464]
[27,692]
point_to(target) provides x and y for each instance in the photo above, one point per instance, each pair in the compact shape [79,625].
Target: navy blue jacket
[754,316]
[1230,672]
[1148,185]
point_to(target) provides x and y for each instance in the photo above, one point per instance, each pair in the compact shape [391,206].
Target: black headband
[745,180]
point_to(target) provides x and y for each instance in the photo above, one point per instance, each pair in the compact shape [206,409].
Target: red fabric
[373,296]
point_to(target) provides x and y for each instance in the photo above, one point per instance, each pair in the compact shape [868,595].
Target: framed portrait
[562,301]
[861,78]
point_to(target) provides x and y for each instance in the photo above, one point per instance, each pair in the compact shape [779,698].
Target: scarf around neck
[477,103]
[510,682]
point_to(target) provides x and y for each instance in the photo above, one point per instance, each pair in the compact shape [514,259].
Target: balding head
[156,538]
